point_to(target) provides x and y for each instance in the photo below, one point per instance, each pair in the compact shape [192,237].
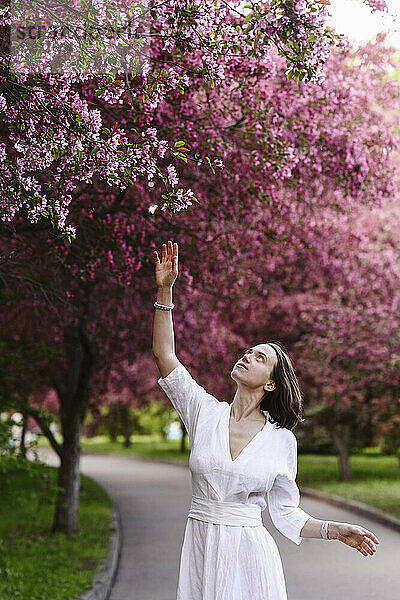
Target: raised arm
[163,328]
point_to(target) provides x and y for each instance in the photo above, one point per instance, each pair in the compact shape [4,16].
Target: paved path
[154,500]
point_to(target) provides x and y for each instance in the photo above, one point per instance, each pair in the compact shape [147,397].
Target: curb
[104,578]
[359,508]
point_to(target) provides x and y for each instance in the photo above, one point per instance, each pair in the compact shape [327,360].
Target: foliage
[151,418]
[7,442]
[348,356]
[68,71]
[155,417]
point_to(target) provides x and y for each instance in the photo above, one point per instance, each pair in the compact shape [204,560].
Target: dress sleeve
[284,497]
[186,396]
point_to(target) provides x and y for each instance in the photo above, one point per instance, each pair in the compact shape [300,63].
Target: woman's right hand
[167,269]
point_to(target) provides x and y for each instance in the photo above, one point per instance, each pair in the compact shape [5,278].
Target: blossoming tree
[290,150]
[66,70]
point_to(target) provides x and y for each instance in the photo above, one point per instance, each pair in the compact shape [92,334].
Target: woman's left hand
[356,537]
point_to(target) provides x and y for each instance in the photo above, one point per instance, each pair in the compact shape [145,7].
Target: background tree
[89,304]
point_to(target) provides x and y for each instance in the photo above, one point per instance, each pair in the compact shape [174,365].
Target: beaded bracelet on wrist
[163,307]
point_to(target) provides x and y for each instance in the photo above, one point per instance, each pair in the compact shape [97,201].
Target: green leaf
[179,144]
[248,18]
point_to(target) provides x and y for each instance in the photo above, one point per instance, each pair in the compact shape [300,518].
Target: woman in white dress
[241,453]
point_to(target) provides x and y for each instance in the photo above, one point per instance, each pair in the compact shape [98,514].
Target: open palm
[167,269]
[357,537]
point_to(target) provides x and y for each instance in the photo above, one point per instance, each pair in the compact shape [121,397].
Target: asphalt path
[154,498]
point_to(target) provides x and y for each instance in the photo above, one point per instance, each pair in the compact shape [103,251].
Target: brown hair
[285,403]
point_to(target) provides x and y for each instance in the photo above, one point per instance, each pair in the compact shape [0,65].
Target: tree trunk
[183,439]
[341,442]
[67,504]
[126,425]
[112,434]
[74,399]
[22,446]
[112,424]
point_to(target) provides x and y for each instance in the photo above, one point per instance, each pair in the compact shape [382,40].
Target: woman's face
[254,368]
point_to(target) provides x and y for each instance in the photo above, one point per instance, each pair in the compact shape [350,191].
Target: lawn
[34,563]
[376,478]
[143,445]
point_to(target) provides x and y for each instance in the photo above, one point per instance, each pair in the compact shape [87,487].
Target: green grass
[143,445]
[376,478]
[34,563]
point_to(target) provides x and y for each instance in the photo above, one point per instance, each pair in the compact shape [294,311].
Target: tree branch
[43,424]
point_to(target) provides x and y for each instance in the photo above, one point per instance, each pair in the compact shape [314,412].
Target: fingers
[156,259]
[168,251]
[175,257]
[369,543]
[362,550]
[370,535]
[365,532]
[367,546]
[367,549]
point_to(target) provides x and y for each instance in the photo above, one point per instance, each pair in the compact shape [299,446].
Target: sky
[359,24]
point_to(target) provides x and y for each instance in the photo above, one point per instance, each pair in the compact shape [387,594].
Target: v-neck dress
[226,562]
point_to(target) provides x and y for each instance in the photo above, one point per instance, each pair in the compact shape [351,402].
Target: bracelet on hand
[163,307]
[324,531]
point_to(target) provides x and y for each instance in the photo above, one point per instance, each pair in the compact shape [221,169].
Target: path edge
[105,576]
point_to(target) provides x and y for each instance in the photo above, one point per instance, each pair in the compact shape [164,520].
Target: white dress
[226,562]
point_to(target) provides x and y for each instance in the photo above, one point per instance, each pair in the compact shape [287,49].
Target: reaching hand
[357,537]
[167,269]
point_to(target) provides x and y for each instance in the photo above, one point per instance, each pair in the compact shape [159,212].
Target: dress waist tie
[225,513]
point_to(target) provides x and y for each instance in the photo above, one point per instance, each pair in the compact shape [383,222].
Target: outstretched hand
[357,537]
[167,269]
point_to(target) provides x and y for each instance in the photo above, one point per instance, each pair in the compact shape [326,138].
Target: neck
[246,404]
